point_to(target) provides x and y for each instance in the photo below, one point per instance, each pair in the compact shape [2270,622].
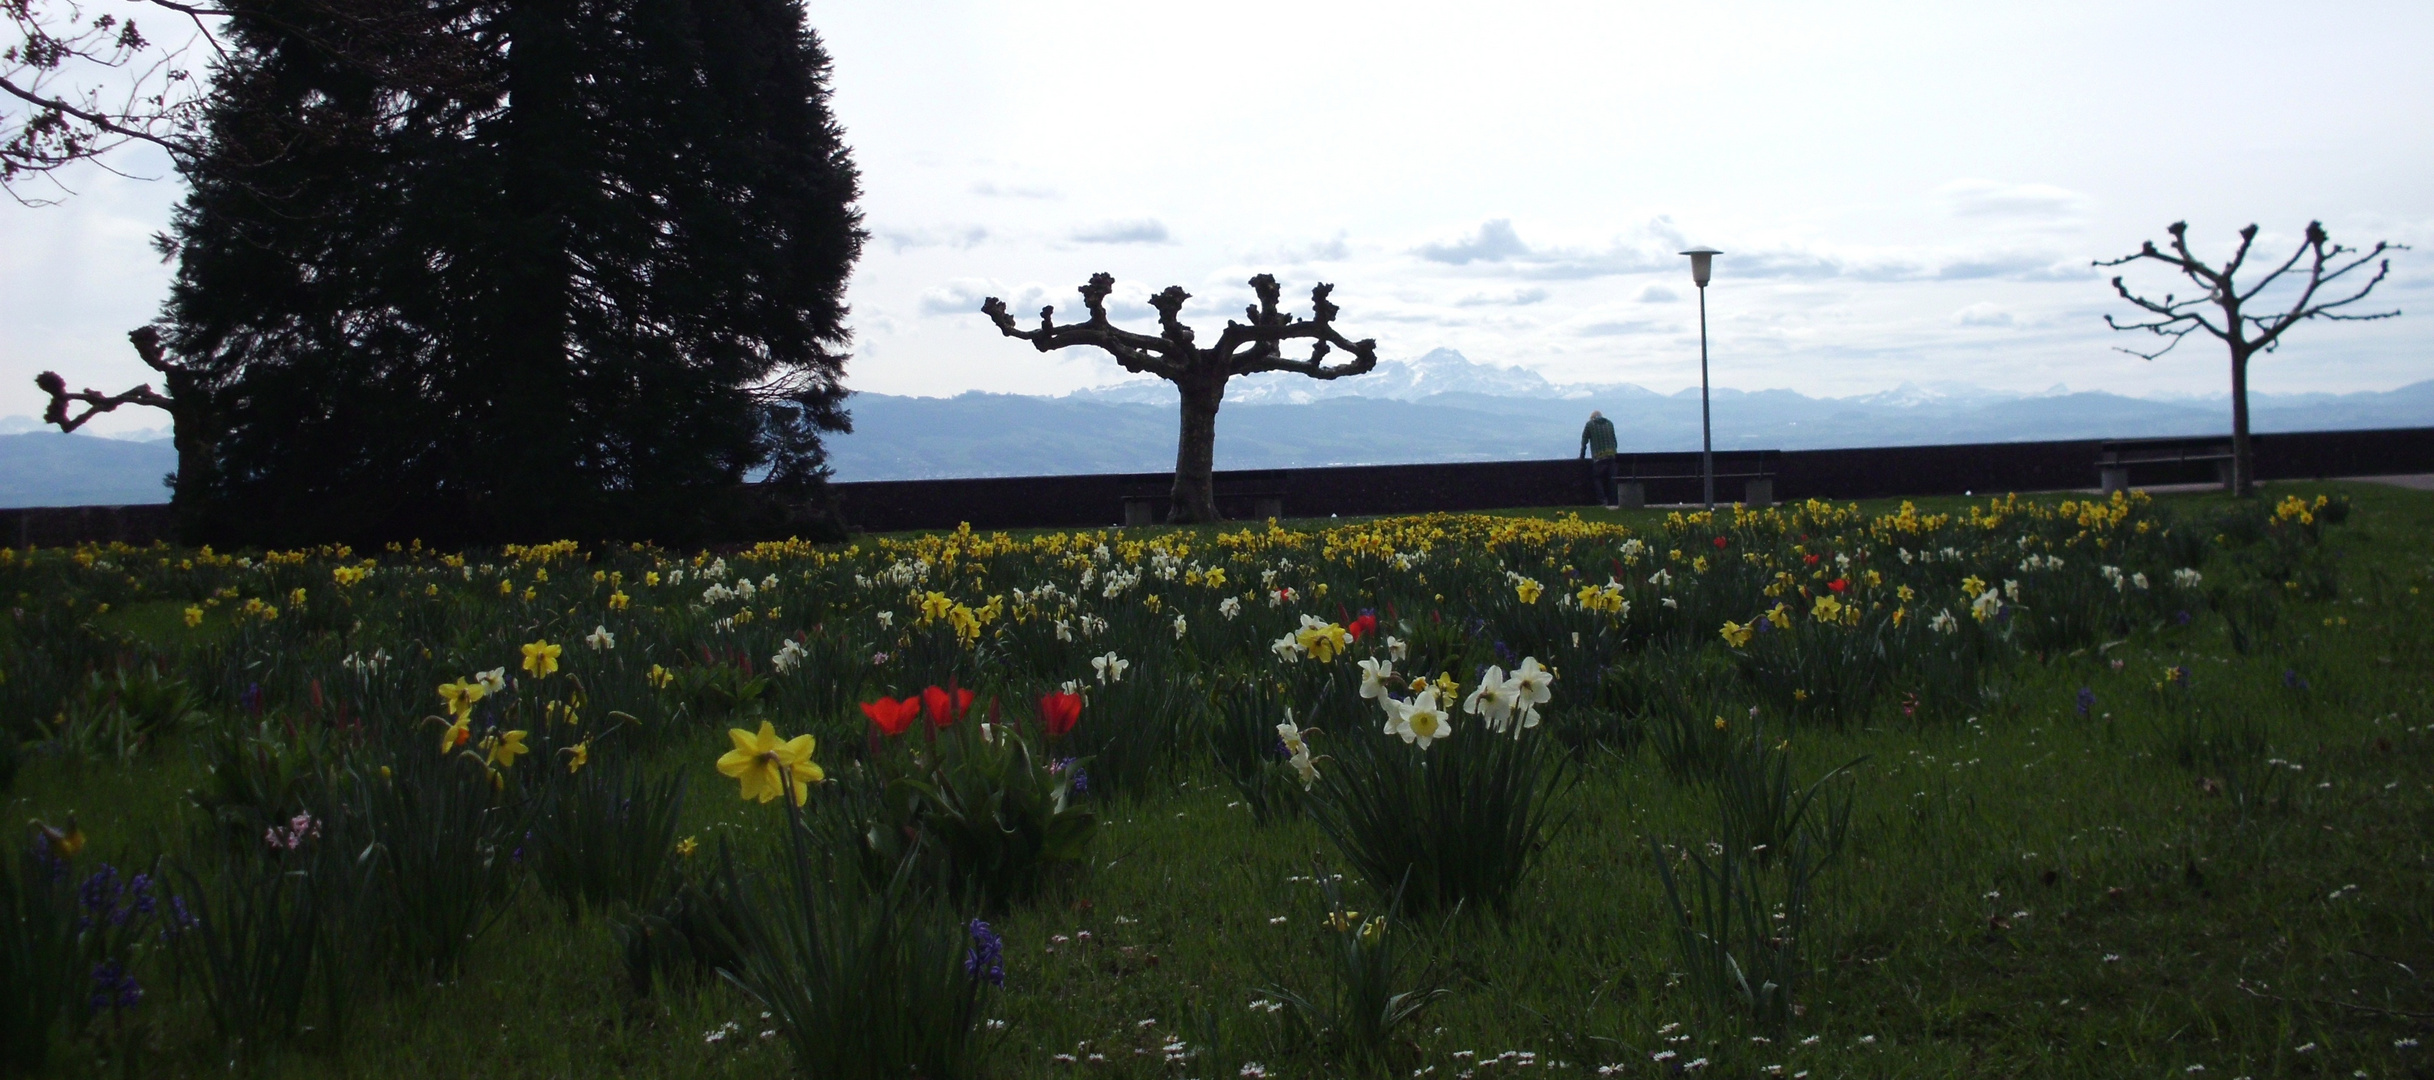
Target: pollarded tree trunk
[1195,497]
[2243,466]
[1199,374]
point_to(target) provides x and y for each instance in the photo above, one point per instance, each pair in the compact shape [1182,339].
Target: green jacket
[1598,437]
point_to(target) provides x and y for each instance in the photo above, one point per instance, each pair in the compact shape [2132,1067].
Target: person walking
[1597,444]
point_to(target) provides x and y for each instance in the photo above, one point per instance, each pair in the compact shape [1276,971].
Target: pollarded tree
[1200,374]
[2323,263]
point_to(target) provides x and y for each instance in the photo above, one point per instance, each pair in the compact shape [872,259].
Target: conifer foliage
[552,268]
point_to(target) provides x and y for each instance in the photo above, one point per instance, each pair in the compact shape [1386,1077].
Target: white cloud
[1014,191]
[958,236]
[1515,298]
[1988,198]
[1658,294]
[1982,314]
[1138,231]
[1494,242]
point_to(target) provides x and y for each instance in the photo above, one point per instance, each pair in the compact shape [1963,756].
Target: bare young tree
[2316,267]
[1199,374]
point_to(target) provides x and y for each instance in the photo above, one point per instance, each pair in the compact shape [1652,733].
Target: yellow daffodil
[541,658]
[618,601]
[686,847]
[1323,641]
[459,696]
[766,765]
[502,750]
[194,615]
[1828,609]
[1528,589]
[578,756]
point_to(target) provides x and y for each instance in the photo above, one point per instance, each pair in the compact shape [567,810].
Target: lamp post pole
[1702,259]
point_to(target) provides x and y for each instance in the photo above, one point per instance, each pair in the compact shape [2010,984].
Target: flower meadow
[2055,785]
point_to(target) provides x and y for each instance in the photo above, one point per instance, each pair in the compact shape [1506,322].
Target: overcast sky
[1903,192]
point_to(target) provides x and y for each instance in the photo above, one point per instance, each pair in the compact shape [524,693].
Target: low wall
[61,526]
[1093,501]
[1854,473]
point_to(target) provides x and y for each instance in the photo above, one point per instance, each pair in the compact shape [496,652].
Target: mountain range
[1443,407]
[1437,407]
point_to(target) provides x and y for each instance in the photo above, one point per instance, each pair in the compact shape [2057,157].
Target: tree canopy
[559,268]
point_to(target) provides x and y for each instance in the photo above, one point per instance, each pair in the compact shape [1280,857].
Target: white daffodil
[1395,647]
[790,656]
[887,620]
[1229,607]
[1374,673]
[2011,589]
[1420,720]
[1179,627]
[600,638]
[1286,648]
[1661,579]
[1291,735]
[1306,766]
[493,680]
[1530,683]
[1944,623]
[1986,605]
[2187,578]
[1110,668]
[2139,580]
[1493,702]
[1064,630]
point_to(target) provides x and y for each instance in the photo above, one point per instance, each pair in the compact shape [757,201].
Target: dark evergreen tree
[584,284]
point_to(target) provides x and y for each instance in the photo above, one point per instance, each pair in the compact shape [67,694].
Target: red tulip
[1362,627]
[936,702]
[1059,712]
[892,716]
[1720,541]
[1809,560]
[1838,584]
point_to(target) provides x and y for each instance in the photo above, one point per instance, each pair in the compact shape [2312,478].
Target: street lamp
[1702,260]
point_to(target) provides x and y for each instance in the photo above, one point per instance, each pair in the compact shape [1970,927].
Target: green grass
[2031,893]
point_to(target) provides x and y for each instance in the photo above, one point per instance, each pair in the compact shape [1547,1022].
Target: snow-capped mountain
[1440,371]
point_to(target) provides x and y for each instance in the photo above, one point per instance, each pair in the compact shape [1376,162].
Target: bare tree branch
[2245,334]
[147,342]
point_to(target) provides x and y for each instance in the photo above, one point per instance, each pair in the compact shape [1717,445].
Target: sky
[1904,193]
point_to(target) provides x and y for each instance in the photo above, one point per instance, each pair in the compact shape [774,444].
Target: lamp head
[1702,259]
